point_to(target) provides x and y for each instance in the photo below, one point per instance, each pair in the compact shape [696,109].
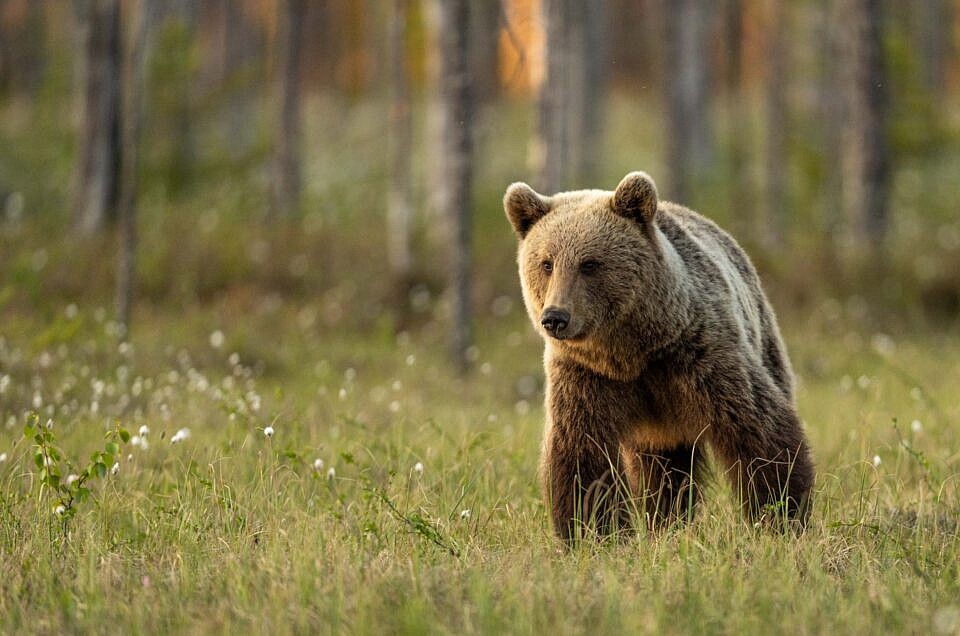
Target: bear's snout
[555,321]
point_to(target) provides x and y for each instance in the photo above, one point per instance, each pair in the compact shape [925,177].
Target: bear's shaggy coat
[659,341]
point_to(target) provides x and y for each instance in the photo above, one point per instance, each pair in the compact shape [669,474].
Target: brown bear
[659,342]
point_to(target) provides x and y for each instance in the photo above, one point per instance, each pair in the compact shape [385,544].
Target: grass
[230,529]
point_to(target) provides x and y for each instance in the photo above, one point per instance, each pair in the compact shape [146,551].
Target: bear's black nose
[555,321]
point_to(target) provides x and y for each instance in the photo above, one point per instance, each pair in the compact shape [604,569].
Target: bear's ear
[524,207]
[636,198]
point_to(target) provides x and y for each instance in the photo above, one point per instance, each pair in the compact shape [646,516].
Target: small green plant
[73,489]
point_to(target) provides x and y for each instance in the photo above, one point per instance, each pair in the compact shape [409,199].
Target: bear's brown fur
[659,341]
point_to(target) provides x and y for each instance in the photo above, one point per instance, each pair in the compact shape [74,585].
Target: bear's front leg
[583,479]
[761,440]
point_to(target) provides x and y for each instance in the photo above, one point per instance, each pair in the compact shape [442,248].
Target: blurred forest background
[253,241]
[346,158]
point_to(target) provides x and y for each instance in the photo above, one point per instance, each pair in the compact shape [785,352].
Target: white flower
[331,472]
[144,430]
[144,444]
[115,469]
[418,468]
[60,510]
[465,513]
[180,435]
[318,464]
[916,426]
[268,431]
[876,460]
[3,457]
[216,339]
[135,440]
[71,478]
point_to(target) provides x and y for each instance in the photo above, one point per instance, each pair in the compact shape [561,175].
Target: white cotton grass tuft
[216,339]
[318,464]
[72,477]
[115,470]
[180,436]
[916,426]
[268,431]
[876,460]
[60,510]
[465,513]
[331,472]
[3,457]
[418,468]
[144,430]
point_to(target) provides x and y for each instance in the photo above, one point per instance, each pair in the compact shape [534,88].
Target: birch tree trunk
[288,184]
[399,196]
[98,162]
[133,98]
[458,152]
[865,156]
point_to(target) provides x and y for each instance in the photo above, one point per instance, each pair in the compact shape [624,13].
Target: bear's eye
[589,267]
[547,266]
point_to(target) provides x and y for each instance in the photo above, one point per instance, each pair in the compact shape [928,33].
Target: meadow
[273,449]
[394,497]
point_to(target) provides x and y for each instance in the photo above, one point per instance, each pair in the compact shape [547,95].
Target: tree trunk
[740,178]
[865,160]
[23,50]
[484,35]
[132,118]
[240,50]
[458,152]
[287,185]
[551,147]
[98,161]
[688,128]
[399,196]
[596,54]
[776,150]
[934,42]
[832,115]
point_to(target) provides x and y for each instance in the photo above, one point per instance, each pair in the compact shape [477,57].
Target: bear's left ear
[524,207]
[636,198]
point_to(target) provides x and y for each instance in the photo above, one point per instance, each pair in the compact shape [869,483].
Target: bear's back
[728,287]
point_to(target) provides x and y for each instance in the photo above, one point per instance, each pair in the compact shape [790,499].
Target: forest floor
[395,498]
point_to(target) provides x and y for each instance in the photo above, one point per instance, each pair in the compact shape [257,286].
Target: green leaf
[29,431]
[124,435]
[113,448]
[38,459]
[101,469]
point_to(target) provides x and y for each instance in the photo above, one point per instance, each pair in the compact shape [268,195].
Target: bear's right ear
[524,207]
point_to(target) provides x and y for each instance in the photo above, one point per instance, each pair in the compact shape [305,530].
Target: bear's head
[591,261]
